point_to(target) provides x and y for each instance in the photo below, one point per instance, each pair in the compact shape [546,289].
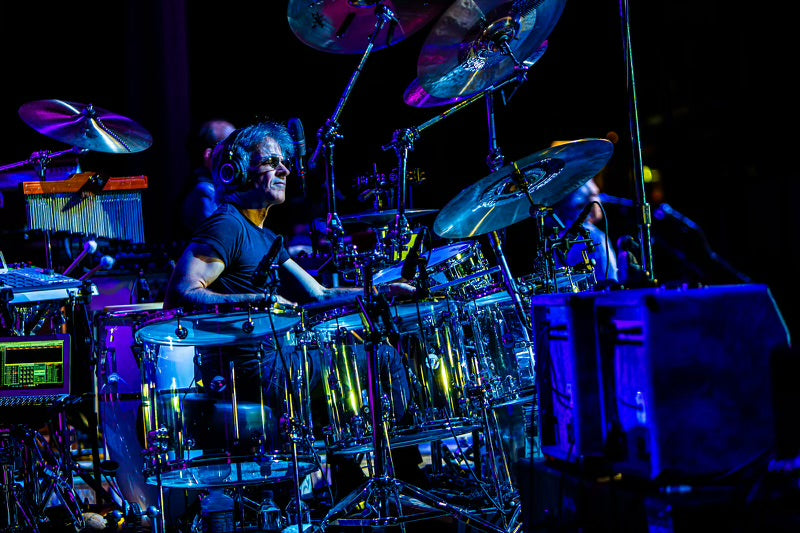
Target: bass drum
[119,394]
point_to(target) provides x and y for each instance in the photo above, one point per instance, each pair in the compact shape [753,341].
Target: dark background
[715,115]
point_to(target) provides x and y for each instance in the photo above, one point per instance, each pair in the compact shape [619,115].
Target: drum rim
[293,317]
[439,303]
[432,265]
[407,436]
[151,473]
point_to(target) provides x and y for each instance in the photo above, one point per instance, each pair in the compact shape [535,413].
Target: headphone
[232,170]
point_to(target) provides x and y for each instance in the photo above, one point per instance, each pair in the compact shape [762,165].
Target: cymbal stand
[495,160]
[329,134]
[47,466]
[40,161]
[403,142]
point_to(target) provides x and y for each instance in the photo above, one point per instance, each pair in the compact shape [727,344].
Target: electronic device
[34,370]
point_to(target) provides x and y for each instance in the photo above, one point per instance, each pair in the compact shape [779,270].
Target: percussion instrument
[209,437]
[425,386]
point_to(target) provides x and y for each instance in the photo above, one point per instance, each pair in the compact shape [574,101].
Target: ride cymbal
[417,96]
[345,26]
[85,126]
[477,43]
[500,199]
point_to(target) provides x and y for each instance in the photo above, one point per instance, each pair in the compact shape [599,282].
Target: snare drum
[447,268]
[567,280]
[201,440]
[427,398]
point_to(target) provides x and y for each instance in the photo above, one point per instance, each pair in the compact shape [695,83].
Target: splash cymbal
[85,126]
[499,200]
[417,96]
[345,26]
[477,43]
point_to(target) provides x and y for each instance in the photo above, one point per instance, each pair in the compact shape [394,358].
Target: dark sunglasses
[275,161]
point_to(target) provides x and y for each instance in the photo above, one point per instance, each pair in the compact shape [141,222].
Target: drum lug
[158,440]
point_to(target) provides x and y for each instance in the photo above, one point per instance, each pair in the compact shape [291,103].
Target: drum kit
[464,340]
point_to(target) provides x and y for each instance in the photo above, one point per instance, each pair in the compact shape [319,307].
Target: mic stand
[329,134]
[381,494]
[645,220]
[399,232]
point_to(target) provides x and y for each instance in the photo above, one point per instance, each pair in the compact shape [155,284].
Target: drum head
[213,329]
[436,257]
[406,316]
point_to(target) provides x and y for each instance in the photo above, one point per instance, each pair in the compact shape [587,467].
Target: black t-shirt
[240,244]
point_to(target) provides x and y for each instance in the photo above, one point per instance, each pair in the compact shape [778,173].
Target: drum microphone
[262,274]
[89,247]
[577,225]
[299,142]
[614,200]
[411,263]
[106,262]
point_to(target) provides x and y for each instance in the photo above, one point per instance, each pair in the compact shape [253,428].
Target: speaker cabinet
[686,378]
[565,345]
[664,383]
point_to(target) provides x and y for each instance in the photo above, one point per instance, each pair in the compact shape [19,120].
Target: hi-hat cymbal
[85,126]
[345,26]
[474,44]
[417,96]
[499,200]
[382,218]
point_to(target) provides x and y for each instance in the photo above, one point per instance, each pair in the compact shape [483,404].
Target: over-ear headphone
[232,170]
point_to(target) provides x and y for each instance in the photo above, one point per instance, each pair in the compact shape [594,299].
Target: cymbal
[345,26]
[417,96]
[468,48]
[85,126]
[498,200]
[382,218]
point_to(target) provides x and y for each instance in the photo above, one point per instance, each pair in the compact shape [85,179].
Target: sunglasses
[275,161]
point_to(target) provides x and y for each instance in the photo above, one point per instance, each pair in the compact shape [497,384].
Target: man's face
[270,172]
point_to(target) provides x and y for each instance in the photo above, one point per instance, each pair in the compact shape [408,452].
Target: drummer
[251,170]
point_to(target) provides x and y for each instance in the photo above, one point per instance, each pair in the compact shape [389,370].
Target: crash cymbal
[85,126]
[474,44]
[383,218]
[345,26]
[499,199]
[417,96]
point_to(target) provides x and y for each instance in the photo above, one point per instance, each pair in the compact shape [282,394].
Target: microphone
[411,262]
[666,209]
[614,200]
[577,225]
[106,262]
[261,275]
[89,247]
[299,142]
